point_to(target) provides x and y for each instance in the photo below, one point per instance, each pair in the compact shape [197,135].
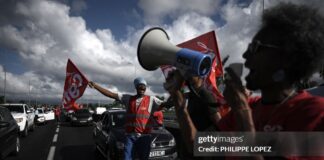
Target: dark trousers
[140,144]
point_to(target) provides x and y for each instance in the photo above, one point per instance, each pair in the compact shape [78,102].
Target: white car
[40,116]
[49,115]
[23,115]
[100,110]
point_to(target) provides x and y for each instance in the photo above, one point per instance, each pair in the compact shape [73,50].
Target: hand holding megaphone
[235,93]
[174,81]
[155,50]
[234,70]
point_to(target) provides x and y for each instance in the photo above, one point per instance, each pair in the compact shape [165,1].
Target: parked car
[49,115]
[40,116]
[109,137]
[97,113]
[81,117]
[23,116]
[9,134]
[66,115]
[100,110]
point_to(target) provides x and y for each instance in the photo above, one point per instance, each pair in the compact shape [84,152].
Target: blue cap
[139,80]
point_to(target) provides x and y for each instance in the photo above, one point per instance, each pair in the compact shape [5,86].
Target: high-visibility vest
[137,118]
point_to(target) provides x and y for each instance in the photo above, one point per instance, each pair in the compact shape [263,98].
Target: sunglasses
[256,44]
[141,86]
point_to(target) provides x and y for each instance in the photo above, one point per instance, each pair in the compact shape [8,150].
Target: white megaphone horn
[154,50]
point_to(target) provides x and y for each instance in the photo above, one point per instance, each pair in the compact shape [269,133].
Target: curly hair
[301,30]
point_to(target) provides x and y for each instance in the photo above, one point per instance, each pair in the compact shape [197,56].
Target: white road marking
[57,130]
[55,138]
[51,153]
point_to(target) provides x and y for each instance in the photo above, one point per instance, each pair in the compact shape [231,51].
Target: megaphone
[154,50]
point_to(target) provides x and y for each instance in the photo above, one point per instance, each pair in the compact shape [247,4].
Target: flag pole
[29,92]
[5,83]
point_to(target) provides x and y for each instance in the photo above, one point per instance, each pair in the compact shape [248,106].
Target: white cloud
[155,11]
[241,25]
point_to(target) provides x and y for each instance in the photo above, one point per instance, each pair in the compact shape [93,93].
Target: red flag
[73,106]
[205,43]
[75,84]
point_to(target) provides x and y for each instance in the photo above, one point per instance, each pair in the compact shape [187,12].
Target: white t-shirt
[154,102]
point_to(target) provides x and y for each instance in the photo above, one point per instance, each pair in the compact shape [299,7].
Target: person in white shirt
[140,109]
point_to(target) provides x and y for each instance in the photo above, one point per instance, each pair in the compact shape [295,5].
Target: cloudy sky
[38,36]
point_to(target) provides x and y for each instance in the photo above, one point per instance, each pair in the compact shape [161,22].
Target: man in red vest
[140,109]
[57,112]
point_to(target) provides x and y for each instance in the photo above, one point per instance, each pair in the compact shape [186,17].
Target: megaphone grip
[197,63]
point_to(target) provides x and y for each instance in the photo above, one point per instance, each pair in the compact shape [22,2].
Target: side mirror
[29,111]
[4,124]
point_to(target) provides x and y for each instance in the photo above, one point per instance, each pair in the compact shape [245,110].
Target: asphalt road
[58,142]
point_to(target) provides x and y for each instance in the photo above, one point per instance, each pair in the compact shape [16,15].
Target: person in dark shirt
[196,110]
[202,106]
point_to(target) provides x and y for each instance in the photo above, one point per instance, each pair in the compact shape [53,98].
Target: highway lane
[36,145]
[62,141]
[75,143]
[58,142]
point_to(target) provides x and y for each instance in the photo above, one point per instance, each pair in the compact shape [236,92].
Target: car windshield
[118,119]
[15,108]
[82,111]
[40,111]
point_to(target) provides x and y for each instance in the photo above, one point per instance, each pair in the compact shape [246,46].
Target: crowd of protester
[287,49]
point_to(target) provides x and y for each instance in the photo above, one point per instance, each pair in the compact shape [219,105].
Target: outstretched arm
[103,91]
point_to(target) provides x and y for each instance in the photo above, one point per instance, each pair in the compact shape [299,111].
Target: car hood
[158,135]
[17,115]
[161,134]
[82,115]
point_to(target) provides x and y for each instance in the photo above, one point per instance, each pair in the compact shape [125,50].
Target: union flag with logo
[74,87]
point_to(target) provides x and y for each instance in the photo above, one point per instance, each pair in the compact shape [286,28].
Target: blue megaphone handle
[193,62]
